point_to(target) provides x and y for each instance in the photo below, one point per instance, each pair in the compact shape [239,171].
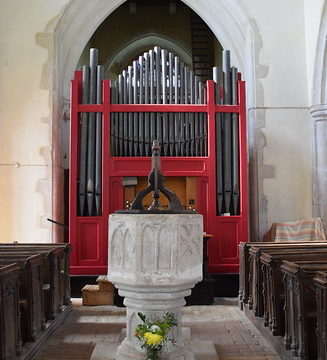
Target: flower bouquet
[153,334]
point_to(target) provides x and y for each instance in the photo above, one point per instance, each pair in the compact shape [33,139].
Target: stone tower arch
[235,30]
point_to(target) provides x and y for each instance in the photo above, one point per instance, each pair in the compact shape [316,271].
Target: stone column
[154,261]
[319,116]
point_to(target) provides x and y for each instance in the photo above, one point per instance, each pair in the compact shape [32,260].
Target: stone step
[92,295]
[201,349]
[204,350]
[105,284]
[104,351]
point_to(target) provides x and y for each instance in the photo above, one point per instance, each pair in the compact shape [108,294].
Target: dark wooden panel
[10,339]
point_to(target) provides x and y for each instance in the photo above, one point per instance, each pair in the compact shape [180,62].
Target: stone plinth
[154,261]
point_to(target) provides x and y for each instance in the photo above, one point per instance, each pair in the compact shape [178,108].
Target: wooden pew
[10,339]
[245,274]
[55,260]
[254,287]
[273,287]
[301,308]
[53,299]
[64,263]
[30,293]
[320,281]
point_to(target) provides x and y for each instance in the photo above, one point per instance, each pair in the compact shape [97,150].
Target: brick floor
[233,335]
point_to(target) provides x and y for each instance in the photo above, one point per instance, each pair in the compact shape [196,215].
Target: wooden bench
[320,281]
[54,288]
[10,339]
[53,298]
[254,287]
[301,308]
[32,320]
[64,262]
[273,287]
[245,274]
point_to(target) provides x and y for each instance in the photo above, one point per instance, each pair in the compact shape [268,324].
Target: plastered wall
[25,122]
[283,107]
[274,54]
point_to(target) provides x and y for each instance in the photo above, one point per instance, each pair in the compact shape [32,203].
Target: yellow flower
[152,339]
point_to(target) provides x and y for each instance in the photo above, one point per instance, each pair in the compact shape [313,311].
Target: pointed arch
[135,46]
[230,23]
[319,95]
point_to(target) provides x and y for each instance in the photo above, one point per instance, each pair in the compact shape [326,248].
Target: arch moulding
[235,31]
[150,40]
[318,112]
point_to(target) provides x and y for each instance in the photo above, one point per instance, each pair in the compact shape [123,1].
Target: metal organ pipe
[98,143]
[84,138]
[159,77]
[219,149]
[235,145]
[227,131]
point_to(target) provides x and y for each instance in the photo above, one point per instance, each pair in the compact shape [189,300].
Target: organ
[202,131]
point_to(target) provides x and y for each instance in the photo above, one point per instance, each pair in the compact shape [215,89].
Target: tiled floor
[234,337]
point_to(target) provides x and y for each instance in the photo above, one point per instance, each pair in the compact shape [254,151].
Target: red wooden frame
[89,235]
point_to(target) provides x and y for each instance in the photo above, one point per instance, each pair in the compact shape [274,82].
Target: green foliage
[141,316]
[154,334]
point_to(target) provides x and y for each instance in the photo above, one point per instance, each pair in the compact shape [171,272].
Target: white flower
[154,328]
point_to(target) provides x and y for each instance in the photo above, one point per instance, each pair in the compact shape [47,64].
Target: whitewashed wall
[284,105]
[273,43]
[25,122]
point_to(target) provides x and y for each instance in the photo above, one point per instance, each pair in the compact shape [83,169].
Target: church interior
[156,154]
